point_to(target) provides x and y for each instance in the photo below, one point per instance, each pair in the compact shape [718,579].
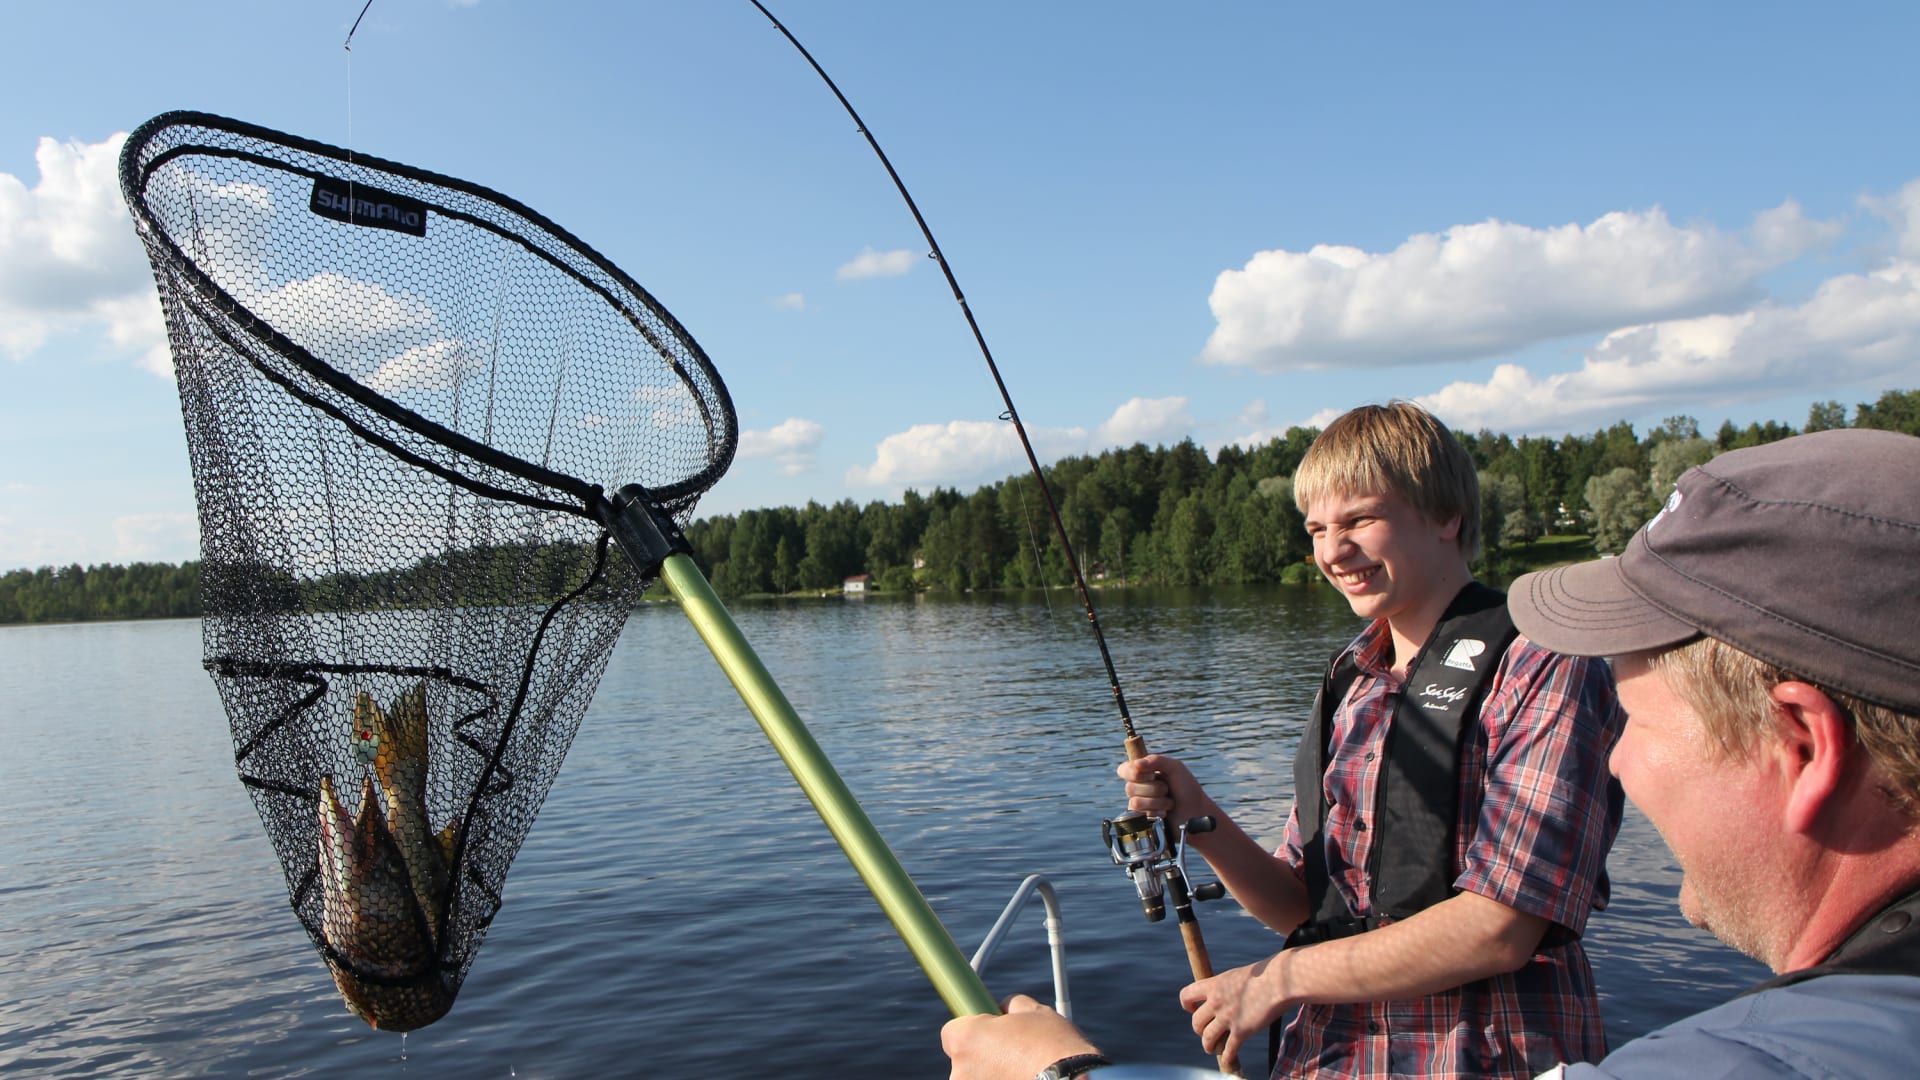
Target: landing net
[405,398]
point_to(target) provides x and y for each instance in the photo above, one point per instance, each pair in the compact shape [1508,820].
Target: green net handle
[952,977]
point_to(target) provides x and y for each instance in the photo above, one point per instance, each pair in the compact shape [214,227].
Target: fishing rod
[1151,850]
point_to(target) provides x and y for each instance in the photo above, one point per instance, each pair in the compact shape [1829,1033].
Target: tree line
[1174,516]
[1150,515]
[78,594]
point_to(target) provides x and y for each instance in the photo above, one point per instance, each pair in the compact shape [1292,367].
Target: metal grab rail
[1056,944]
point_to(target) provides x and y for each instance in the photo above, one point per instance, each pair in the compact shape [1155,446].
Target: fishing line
[348,46]
[1151,849]
[1039,567]
[1134,742]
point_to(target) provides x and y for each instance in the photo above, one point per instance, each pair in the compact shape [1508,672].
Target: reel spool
[1153,853]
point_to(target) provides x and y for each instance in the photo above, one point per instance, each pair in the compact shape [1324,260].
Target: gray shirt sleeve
[1860,1026]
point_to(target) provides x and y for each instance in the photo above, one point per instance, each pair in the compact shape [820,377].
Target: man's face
[1704,800]
[1382,554]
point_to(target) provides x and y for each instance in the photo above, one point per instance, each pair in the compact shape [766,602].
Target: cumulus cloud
[1855,327]
[1258,426]
[792,301]
[968,452]
[69,258]
[957,452]
[70,261]
[1490,288]
[344,314]
[32,540]
[155,537]
[437,365]
[1153,421]
[27,543]
[1902,211]
[792,445]
[872,264]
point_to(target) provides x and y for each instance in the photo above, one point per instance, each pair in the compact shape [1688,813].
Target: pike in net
[407,399]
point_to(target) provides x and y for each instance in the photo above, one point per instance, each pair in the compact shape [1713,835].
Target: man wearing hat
[1763,635]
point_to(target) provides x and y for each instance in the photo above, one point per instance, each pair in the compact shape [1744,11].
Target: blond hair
[1732,694]
[1400,448]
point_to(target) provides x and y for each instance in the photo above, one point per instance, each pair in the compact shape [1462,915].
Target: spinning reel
[1153,853]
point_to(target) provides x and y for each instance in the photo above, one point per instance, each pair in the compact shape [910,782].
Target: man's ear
[1450,528]
[1817,742]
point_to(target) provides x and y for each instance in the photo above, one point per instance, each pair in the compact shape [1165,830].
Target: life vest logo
[1462,653]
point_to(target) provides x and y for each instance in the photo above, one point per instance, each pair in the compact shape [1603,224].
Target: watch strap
[1069,1067]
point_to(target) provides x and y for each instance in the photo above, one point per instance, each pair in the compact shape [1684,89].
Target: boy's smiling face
[1383,555]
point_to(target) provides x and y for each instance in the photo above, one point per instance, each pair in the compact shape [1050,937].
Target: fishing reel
[1153,853]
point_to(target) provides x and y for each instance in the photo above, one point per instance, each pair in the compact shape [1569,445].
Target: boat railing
[1056,942]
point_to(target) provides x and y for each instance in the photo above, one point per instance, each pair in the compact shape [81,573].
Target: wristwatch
[1069,1067]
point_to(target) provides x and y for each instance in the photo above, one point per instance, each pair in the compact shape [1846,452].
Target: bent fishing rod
[1153,853]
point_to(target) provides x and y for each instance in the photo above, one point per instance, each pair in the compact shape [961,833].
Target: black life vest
[1887,944]
[1411,866]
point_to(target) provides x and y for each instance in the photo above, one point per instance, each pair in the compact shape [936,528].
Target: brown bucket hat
[1803,552]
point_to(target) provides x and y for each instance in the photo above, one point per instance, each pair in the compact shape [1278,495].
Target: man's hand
[1236,1005]
[1014,1046]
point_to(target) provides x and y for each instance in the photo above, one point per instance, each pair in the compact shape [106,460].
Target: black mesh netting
[404,396]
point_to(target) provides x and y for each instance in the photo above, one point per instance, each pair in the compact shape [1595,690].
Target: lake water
[679,910]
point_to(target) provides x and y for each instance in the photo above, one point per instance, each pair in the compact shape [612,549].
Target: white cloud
[792,301]
[1489,288]
[1154,421]
[971,452]
[155,537]
[957,452]
[437,365]
[871,264]
[1903,212]
[32,540]
[792,445]
[1260,428]
[1263,434]
[36,545]
[69,258]
[1855,327]
[339,317]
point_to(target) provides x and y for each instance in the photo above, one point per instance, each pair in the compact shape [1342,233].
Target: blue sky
[1212,220]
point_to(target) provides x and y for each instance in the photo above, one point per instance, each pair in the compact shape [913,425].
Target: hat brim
[1589,609]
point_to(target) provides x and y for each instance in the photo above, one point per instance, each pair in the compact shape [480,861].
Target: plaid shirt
[1537,813]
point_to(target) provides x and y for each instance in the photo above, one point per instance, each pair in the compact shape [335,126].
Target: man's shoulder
[1838,1025]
